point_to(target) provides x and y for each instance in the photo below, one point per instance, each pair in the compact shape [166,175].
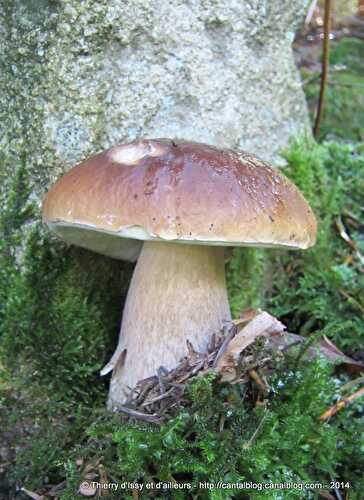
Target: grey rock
[82,76]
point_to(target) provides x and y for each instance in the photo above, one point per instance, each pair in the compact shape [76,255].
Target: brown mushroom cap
[177,191]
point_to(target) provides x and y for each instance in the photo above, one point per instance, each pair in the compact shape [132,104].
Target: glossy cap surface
[177,191]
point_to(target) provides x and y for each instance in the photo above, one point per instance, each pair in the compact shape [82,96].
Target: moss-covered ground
[55,429]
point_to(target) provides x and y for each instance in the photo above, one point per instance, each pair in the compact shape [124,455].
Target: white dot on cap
[131,154]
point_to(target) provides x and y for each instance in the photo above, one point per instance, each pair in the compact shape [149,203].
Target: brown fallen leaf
[324,347]
[155,399]
[246,316]
[263,324]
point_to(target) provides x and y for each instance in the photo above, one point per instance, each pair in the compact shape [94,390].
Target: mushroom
[173,206]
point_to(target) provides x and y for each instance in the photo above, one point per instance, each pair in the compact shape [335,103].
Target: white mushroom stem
[177,293]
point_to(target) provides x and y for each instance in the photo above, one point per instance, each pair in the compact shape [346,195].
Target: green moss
[257,444]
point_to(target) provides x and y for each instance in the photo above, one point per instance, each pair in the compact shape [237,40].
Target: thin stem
[325,68]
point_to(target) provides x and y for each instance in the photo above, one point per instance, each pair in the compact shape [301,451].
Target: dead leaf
[56,490]
[247,316]
[324,347]
[263,324]
[152,401]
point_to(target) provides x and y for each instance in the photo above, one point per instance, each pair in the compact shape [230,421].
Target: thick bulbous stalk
[177,293]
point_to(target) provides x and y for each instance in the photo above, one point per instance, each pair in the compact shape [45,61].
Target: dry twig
[345,236]
[352,383]
[341,404]
[253,374]
[325,68]
[139,415]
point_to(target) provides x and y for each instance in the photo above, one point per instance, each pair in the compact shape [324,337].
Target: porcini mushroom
[174,206]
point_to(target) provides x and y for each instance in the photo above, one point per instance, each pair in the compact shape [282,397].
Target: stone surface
[81,76]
